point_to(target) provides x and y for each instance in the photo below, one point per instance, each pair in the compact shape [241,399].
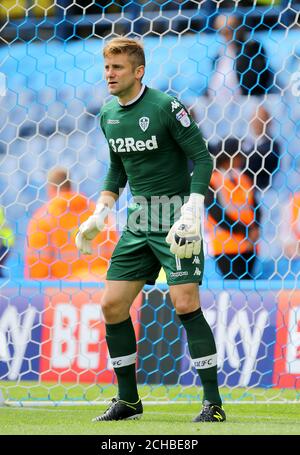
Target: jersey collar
[136,99]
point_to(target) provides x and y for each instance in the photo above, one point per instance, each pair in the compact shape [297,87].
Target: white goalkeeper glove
[90,228]
[185,236]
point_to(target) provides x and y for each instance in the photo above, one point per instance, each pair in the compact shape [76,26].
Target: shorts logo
[144,123]
[197,271]
[177,274]
[183,118]
[196,260]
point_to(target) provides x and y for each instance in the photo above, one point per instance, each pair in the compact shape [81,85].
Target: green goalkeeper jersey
[151,142]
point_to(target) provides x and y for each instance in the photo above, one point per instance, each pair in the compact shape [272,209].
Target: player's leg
[132,265]
[120,336]
[202,347]
[184,277]
[121,342]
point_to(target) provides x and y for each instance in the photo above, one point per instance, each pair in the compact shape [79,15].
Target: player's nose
[109,73]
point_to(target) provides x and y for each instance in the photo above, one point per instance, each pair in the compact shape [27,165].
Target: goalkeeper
[151,137]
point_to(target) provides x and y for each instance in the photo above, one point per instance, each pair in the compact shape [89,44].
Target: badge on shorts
[183,118]
[144,123]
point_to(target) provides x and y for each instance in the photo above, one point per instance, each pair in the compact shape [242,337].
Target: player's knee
[185,302]
[115,307]
[185,306]
[111,308]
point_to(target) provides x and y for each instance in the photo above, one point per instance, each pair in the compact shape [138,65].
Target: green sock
[203,353]
[121,344]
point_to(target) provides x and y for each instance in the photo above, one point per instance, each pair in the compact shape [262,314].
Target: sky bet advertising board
[59,334]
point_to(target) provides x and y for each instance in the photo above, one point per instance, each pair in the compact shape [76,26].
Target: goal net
[236,68]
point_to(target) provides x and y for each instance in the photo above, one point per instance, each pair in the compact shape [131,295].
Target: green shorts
[139,256]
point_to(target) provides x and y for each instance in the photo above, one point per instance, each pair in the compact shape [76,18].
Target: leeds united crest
[144,123]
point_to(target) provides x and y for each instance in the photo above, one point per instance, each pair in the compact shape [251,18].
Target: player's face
[122,78]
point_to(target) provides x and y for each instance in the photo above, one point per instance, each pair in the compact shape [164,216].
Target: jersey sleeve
[185,132]
[116,177]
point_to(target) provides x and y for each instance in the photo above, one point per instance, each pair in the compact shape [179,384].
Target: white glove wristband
[89,229]
[100,213]
[193,208]
[195,201]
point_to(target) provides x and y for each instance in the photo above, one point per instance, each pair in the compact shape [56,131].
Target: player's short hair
[131,47]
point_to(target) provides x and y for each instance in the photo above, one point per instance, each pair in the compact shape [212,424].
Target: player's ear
[139,71]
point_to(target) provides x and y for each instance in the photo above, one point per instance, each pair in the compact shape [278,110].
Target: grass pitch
[244,417]
[173,419]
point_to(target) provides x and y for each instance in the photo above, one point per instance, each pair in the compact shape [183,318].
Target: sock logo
[205,362]
[124,361]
